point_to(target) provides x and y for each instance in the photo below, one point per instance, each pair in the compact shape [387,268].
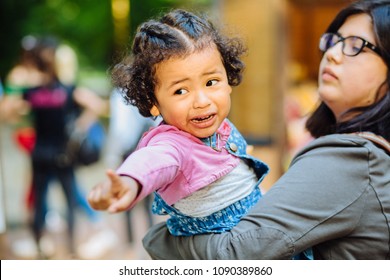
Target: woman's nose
[335,53]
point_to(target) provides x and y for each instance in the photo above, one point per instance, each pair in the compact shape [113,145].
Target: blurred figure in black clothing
[33,86]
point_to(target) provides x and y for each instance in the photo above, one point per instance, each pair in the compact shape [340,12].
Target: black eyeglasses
[352,45]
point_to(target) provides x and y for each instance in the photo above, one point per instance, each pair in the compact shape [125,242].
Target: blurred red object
[25,138]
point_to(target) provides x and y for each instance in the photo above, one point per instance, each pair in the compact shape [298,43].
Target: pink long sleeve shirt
[176,164]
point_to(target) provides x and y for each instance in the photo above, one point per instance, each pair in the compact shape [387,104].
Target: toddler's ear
[154,111]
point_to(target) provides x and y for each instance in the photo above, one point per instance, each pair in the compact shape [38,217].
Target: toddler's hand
[114,194]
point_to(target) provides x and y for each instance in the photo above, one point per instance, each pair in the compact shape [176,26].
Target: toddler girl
[182,69]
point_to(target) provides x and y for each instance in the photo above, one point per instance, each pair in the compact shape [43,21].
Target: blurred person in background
[41,85]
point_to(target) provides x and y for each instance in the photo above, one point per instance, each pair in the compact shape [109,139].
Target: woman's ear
[154,111]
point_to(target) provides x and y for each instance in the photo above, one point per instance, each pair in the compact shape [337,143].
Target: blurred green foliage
[86,25]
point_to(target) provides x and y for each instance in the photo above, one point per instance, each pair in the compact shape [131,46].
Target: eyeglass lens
[351,45]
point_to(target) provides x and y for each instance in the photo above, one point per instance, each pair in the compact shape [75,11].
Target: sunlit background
[269,107]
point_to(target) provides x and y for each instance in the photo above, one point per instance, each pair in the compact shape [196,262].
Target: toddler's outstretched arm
[115,194]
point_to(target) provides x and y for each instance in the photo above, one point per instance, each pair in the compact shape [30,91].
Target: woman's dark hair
[376,117]
[39,52]
[176,34]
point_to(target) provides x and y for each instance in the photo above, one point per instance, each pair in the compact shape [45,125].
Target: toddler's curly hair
[176,34]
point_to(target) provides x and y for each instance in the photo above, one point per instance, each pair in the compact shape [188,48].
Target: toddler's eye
[211,83]
[181,91]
